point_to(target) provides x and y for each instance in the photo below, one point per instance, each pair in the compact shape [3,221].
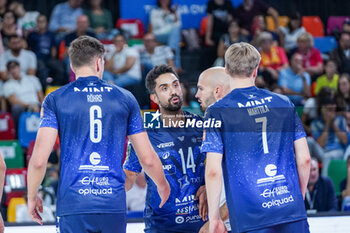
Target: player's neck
[241,82]
[86,72]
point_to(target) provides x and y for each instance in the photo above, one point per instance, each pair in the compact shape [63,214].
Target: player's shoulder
[283,100]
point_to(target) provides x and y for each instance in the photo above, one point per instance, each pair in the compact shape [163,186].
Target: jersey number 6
[95,124]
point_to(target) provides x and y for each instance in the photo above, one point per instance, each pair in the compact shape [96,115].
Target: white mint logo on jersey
[153,120]
[93,89]
[253,103]
[271,172]
[95,159]
[275,191]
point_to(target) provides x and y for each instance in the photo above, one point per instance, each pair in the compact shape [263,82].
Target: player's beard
[207,102]
[170,107]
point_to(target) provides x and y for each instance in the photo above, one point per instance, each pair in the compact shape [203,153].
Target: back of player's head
[83,50]
[155,73]
[242,59]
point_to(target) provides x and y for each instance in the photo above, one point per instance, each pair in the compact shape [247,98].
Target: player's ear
[98,64]
[255,72]
[71,67]
[226,71]
[154,98]
[218,92]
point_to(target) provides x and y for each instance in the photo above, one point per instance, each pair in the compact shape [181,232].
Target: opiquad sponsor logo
[277,202]
[95,181]
[96,192]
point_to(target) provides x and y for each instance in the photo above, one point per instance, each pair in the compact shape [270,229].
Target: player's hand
[217,226]
[204,228]
[201,195]
[164,192]
[2,227]
[34,207]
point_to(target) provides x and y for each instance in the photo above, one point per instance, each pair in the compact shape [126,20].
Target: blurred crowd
[33,57]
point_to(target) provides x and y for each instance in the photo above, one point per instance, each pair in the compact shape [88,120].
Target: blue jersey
[257,142]
[93,119]
[183,164]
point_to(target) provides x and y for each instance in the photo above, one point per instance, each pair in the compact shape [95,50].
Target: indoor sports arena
[183,98]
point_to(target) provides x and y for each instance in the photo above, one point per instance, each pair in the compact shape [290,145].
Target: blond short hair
[307,37]
[242,59]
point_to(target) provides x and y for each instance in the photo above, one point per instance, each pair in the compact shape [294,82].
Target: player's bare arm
[302,157]
[44,143]
[151,164]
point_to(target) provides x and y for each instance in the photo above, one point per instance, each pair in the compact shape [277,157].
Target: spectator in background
[251,8]
[3,8]
[345,189]
[26,20]
[189,104]
[342,97]
[82,29]
[258,27]
[42,42]
[346,26]
[320,195]
[273,59]
[100,18]
[311,106]
[341,54]
[312,60]
[233,35]
[329,130]
[329,79]
[9,27]
[155,54]
[136,196]
[64,16]
[25,58]
[166,26]
[124,65]
[23,92]
[289,35]
[294,81]
[219,13]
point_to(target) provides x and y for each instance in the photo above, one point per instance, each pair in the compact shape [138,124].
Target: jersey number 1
[263,120]
[95,124]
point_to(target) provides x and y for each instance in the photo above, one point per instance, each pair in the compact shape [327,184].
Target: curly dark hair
[155,73]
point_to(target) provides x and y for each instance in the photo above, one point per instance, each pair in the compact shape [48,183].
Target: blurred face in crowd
[168,93]
[330,68]
[75,3]
[296,62]
[82,23]
[314,173]
[3,3]
[346,27]
[304,45]
[16,44]
[18,8]
[295,23]
[150,42]
[344,41]
[164,3]
[260,22]
[95,3]
[41,23]
[233,28]
[328,112]
[119,43]
[14,71]
[9,18]
[266,45]
[219,2]
[344,85]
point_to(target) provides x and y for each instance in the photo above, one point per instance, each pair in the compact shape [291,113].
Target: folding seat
[7,127]
[28,126]
[313,25]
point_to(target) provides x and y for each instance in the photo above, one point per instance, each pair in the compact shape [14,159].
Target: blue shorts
[91,223]
[292,227]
